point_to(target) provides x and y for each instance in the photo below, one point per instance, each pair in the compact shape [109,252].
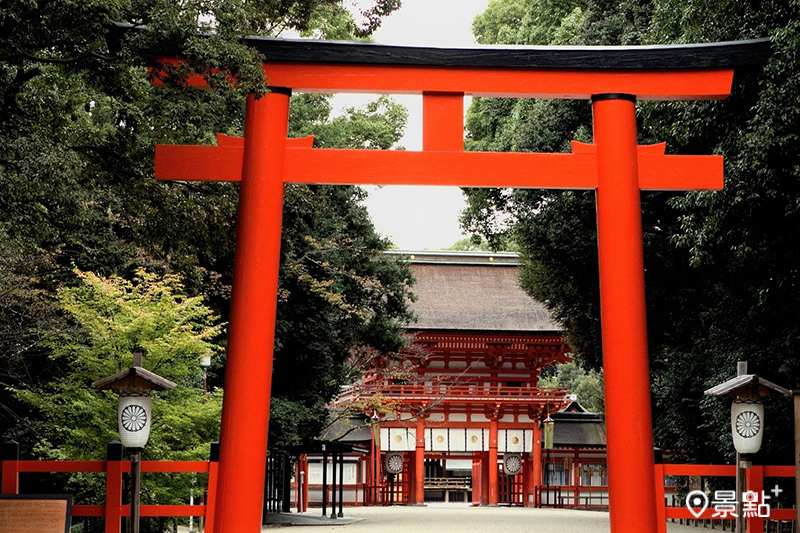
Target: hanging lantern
[549,429]
[134,413]
[394,462]
[747,425]
[512,464]
[747,411]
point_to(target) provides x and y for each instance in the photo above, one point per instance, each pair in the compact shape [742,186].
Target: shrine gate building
[460,417]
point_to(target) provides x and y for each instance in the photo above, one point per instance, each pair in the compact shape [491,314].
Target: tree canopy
[721,267]
[78,123]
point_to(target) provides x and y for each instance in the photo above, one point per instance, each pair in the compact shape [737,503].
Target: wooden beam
[707,84]
[734,54]
[462,169]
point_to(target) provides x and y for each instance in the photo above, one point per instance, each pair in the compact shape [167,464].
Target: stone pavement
[458,518]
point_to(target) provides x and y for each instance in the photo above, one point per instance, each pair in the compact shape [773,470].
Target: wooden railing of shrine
[454,392]
[113,510]
[445,483]
[755,482]
[114,467]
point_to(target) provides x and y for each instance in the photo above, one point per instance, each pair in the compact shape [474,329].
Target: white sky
[418,218]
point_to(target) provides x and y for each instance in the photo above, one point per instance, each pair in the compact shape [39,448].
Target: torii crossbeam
[614,78]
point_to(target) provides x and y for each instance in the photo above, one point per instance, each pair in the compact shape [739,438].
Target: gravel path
[465,519]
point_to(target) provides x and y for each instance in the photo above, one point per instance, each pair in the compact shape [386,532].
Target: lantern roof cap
[747,386]
[134,379]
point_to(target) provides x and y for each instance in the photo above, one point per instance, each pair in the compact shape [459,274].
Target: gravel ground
[445,518]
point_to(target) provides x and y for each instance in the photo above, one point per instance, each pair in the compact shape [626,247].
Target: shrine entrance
[612,78]
[511,486]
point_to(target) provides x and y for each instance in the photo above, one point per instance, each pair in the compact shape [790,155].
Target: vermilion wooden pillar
[477,478]
[248,373]
[536,456]
[419,465]
[629,431]
[377,475]
[493,472]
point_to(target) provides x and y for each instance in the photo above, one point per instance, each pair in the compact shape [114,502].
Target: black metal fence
[277,485]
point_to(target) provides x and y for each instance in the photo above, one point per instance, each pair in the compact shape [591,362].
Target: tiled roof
[463,291]
[568,433]
[575,426]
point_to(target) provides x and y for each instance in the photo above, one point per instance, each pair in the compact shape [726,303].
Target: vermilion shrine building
[462,418]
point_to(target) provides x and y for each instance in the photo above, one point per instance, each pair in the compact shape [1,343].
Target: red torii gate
[612,77]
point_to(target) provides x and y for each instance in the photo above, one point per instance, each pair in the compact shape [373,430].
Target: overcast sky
[418,218]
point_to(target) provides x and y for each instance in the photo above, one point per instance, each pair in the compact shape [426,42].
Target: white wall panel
[315,473]
[515,440]
[458,439]
[477,440]
[439,440]
[398,439]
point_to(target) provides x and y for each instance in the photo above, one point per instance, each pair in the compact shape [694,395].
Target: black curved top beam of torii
[753,52]
[376,68]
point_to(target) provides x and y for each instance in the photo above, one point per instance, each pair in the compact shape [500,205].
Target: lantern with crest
[134,417]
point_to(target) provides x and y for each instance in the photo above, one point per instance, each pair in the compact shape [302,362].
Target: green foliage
[78,125]
[586,385]
[467,244]
[97,257]
[522,22]
[338,292]
[721,273]
[110,318]
[378,125]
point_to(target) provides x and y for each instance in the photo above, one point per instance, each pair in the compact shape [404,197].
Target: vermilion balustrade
[114,467]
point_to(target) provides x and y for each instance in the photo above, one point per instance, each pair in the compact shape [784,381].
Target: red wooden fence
[114,467]
[755,482]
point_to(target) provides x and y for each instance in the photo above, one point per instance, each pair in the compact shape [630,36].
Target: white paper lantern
[747,425]
[133,418]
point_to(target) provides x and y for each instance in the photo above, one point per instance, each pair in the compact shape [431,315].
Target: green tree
[106,319]
[339,293]
[78,124]
[720,266]
[587,385]
[79,119]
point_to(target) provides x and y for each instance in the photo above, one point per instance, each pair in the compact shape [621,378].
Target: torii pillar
[614,166]
[626,374]
[248,372]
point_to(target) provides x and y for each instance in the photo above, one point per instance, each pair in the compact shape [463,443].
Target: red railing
[755,482]
[456,393]
[114,467]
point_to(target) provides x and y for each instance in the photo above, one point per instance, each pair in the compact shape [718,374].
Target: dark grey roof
[474,292]
[134,379]
[570,433]
[576,427]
